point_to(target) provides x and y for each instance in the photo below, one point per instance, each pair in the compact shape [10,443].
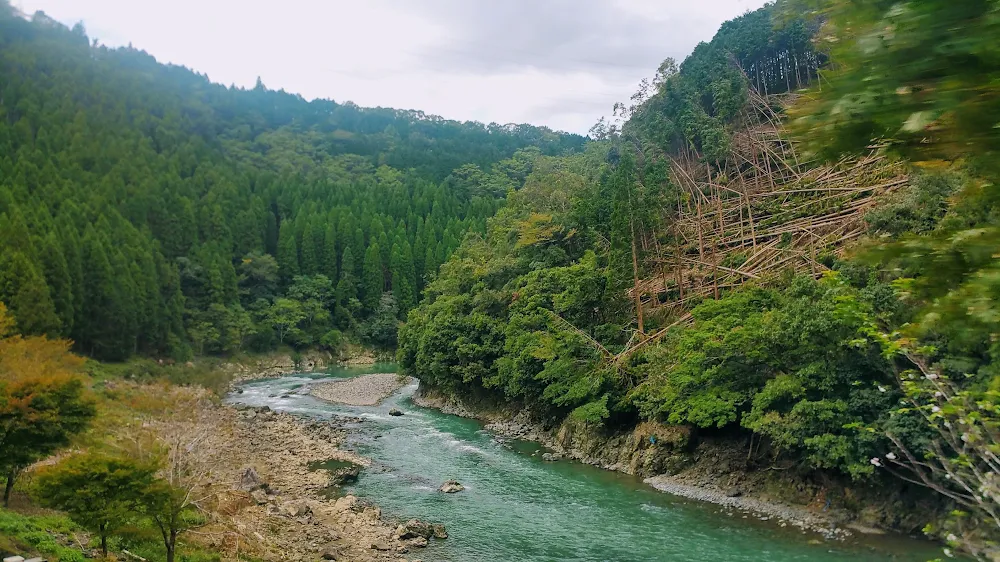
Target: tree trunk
[11,476]
[171,546]
[635,282]
[104,540]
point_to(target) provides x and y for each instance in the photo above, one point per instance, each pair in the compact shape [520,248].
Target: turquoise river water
[519,508]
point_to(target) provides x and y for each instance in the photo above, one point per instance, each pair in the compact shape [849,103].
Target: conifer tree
[373,281]
[58,278]
[288,255]
[329,263]
[309,264]
[23,288]
[402,277]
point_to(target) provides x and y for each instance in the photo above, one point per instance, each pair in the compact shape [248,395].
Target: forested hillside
[144,209]
[804,266]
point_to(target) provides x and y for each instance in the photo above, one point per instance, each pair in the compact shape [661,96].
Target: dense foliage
[538,310]
[145,209]
[500,315]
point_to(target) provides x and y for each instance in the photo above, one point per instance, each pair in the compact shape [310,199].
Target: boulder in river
[415,528]
[451,486]
[440,532]
[418,542]
[395,412]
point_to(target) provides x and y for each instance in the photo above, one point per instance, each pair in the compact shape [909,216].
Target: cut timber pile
[760,211]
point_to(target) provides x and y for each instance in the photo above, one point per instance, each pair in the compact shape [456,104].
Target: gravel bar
[364,390]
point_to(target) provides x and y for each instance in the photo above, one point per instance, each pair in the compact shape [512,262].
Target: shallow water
[518,508]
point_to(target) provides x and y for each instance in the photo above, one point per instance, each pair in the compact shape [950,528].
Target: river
[518,508]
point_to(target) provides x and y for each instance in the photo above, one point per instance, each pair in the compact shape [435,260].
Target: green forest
[146,210]
[789,240]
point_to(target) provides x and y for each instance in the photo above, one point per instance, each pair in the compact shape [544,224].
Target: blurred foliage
[38,534]
[922,75]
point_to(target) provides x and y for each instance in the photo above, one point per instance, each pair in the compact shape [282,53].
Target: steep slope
[704,267]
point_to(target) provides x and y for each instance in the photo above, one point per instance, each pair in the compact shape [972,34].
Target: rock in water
[419,542]
[415,528]
[440,532]
[451,486]
[395,412]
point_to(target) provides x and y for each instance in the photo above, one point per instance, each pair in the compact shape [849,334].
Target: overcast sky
[560,63]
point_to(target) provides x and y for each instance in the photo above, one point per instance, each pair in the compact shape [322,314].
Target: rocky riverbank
[273,365]
[277,365]
[670,460]
[364,390]
[735,503]
[290,510]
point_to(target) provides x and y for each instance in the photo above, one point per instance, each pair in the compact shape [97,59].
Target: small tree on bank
[43,402]
[98,491]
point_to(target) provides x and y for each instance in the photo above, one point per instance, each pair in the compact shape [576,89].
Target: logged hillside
[147,210]
[784,243]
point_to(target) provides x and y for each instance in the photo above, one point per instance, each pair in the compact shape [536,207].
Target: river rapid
[518,508]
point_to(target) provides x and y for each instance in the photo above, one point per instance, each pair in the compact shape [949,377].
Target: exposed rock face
[276,365]
[649,449]
[333,552]
[419,542]
[295,508]
[260,497]
[451,486]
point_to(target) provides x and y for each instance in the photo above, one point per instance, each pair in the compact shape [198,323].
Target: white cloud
[533,62]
